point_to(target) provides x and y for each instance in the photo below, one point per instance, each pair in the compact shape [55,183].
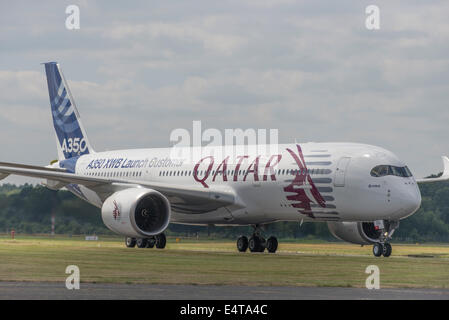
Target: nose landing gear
[380,249]
[383,247]
[387,250]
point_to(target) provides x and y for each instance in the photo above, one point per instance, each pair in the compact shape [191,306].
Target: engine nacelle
[136,212]
[355,232]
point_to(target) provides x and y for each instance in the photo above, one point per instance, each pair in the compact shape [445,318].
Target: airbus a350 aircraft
[361,191]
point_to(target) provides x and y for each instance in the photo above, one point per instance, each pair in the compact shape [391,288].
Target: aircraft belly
[219,216]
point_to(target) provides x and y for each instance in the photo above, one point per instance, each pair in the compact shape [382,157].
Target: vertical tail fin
[71,138]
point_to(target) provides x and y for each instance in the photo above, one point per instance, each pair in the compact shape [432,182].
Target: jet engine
[136,212]
[355,232]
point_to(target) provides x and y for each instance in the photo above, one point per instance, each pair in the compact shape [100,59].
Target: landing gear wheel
[242,243]
[161,241]
[272,244]
[387,250]
[256,244]
[151,242]
[130,242]
[378,249]
[141,242]
[253,244]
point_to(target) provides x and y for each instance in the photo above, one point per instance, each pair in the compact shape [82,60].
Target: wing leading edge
[181,195]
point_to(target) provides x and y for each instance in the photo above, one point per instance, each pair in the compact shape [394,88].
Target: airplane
[361,191]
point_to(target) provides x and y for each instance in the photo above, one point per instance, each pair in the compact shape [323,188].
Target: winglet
[443,177]
[446,167]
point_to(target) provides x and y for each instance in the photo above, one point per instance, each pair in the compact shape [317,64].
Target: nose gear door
[340,171]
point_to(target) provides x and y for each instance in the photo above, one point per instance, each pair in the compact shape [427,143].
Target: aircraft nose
[411,199]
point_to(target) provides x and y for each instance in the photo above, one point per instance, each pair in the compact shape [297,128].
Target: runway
[91,291]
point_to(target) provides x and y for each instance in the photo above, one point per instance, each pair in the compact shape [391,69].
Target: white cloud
[310,69]
[202,33]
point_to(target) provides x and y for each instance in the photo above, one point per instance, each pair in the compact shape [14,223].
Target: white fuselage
[288,182]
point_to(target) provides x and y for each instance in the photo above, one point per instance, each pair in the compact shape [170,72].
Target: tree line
[29,209]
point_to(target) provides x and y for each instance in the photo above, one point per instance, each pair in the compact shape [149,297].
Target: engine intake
[136,212]
[355,232]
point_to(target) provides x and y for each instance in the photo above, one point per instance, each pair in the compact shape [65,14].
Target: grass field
[218,262]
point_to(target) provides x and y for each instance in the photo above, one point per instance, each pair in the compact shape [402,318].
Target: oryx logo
[302,187]
[116,211]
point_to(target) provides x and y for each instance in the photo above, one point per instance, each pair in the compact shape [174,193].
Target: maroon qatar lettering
[237,168]
[270,166]
[222,169]
[254,168]
[224,166]
[206,173]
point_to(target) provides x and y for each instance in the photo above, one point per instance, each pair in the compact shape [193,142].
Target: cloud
[310,69]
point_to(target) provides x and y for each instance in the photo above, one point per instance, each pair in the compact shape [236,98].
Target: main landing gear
[159,241]
[257,243]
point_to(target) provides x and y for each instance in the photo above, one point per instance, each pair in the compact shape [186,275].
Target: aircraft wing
[443,177]
[186,197]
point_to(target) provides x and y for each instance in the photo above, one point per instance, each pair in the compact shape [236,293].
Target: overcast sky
[140,69]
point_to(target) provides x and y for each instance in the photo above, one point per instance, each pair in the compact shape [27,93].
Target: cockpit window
[386,170]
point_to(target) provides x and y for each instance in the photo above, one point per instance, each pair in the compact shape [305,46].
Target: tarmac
[93,291]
